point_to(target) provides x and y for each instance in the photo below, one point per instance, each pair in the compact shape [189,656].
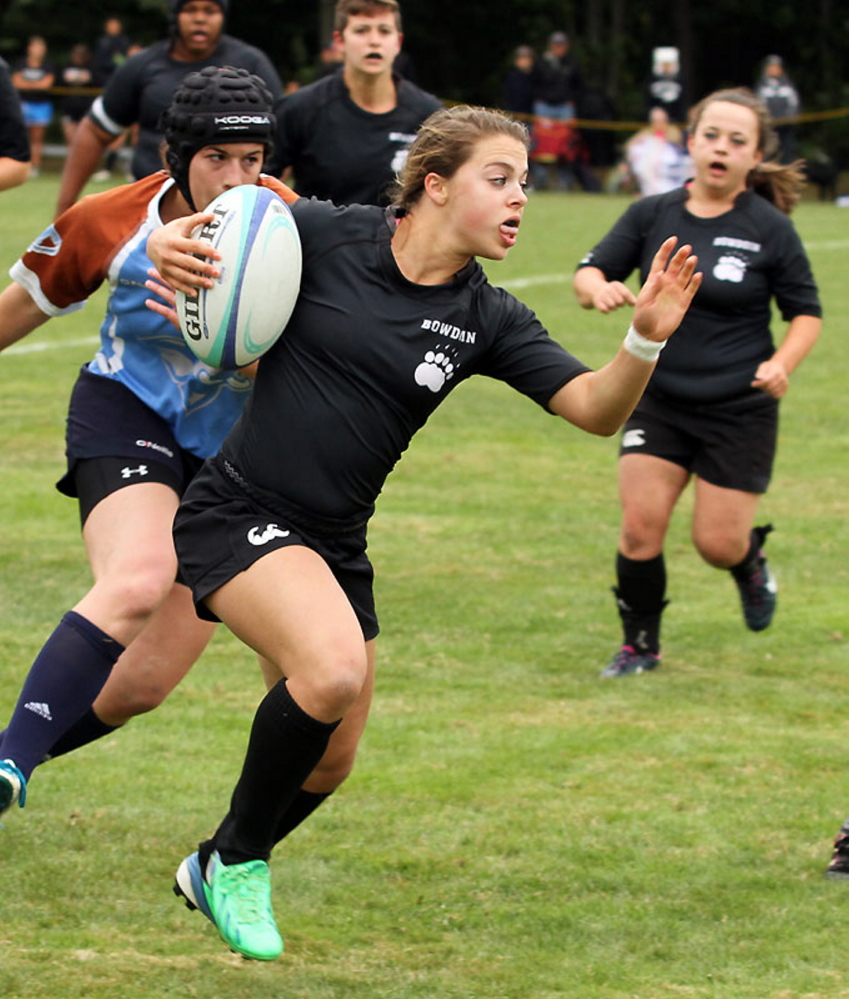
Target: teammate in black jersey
[394,312]
[346,136]
[141,89]
[14,141]
[711,408]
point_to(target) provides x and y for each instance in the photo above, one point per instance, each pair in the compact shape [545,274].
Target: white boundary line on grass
[517,283]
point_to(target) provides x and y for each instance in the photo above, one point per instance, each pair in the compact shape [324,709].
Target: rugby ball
[243,314]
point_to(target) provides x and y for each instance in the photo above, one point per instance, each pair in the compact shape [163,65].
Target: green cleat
[237,899]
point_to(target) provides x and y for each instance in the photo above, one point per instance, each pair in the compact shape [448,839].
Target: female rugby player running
[272,532]
[711,408]
[144,414]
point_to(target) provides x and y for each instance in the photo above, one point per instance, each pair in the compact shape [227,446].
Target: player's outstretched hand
[186,264]
[669,289]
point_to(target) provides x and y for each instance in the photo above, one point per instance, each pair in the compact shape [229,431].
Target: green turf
[516,828]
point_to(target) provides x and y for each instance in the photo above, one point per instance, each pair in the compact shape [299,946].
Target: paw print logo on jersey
[730,269]
[435,370]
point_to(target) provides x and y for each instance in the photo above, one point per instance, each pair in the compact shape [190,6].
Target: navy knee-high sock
[284,747]
[64,680]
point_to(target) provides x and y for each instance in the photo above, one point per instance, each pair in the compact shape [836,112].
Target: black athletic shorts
[114,440]
[729,444]
[221,529]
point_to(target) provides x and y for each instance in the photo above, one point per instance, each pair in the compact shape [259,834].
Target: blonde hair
[445,141]
[780,183]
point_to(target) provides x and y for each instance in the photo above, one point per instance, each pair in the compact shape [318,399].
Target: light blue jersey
[104,237]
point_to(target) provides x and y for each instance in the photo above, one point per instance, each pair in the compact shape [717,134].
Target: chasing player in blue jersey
[144,414]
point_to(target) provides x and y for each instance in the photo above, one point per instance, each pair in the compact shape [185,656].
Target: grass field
[516,827]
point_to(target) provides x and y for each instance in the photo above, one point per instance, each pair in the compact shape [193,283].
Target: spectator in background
[33,78]
[142,88]
[776,90]
[14,142]
[655,158]
[345,136]
[519,84]
[666,85]
[77,73]
[558,83]
[110,50]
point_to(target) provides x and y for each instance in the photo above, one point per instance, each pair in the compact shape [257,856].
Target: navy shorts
[221,529]
[114,440]
[729,444]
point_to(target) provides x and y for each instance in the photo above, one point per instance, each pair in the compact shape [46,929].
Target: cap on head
[177,5]
[558,38]
[215,106]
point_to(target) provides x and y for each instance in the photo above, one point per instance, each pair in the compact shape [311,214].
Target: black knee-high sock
[303,805]
[640,591]
[641,583]
[63,682]
[284,747]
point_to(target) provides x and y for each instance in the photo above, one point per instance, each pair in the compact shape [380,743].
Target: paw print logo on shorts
[435,370]
[730,269]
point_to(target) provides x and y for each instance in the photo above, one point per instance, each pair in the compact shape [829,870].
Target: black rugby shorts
[729,444]
[219,531]
[114,440]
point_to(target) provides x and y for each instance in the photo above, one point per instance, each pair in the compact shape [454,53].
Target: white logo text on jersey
[262,535]
[39,708]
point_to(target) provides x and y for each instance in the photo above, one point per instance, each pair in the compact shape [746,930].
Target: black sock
[87,729]
[751,563]
[640,600]
[303,805]
[641,584]
[62,684]
[284,747]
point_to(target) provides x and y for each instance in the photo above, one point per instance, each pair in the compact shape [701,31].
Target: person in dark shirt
[519,83]
[558,80]
[345,137]
[710,411]
[14,141]
[110,50]
[76,74]
[142,88]
[394,312]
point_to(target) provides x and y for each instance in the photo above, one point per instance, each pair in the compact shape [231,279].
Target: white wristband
[638,346]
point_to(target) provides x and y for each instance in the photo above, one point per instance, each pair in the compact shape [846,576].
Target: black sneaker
[758,590]
[628,661]
[838,868]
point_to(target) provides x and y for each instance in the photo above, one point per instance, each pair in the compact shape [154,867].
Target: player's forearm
[12,172]
[802,334]
[82,160]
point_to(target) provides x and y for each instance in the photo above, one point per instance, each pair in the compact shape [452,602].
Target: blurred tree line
[461,51]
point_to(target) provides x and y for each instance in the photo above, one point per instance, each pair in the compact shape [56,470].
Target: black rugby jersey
[748,256]
[367,357]
[339,152]
[143,87]
[14,141]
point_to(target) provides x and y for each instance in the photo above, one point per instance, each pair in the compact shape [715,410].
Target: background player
[142,87]
[345,137]
[711,408]
[144,414]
